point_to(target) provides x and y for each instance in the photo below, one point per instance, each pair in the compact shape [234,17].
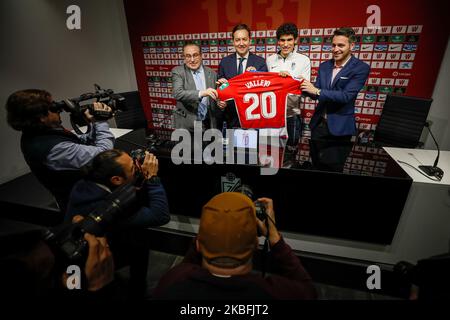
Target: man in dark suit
[235,64]
[337,85]
[193,88]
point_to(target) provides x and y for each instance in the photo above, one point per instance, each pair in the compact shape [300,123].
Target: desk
[424,228]
[417,157]
[363,203]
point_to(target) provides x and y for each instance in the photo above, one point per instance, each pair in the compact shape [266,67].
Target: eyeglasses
[194,56]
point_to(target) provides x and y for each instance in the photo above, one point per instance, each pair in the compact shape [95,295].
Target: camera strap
[265,250]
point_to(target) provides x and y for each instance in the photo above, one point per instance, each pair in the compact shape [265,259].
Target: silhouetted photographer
[218,265]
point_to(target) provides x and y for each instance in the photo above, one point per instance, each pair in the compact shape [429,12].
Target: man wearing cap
[218,264]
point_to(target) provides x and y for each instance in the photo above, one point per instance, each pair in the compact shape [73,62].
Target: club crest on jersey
[257,83]
[224,85]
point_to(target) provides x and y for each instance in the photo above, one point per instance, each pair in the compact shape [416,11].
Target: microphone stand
[433,170]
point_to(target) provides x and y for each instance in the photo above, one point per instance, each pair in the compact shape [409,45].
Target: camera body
[261,213]
[260,210]
[68,239]
[138,155]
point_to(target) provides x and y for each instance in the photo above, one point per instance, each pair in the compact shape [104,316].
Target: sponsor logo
[382,39]
[385,90]
[303,49]
[405,65]
[415,29]
[368,39]
[409,47]
[399,29]
[381,47]
[379,56]
[367,47]
[412,38]
[371,96]
[393,56]
[397,39]
[304,40]
[395,47]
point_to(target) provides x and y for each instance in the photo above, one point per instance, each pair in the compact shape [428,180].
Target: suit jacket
[228,69]
[337,99]
[186,94]
[228,65]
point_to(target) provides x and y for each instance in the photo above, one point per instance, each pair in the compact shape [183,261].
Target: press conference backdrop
[404,49]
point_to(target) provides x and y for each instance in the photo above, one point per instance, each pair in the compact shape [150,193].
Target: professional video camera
[68,239]
[260,207]
[77,108]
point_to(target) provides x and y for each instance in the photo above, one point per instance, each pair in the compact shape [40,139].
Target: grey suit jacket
[186,94]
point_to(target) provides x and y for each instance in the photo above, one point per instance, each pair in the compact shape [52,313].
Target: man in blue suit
[338,82]
[235,64]
[337,85]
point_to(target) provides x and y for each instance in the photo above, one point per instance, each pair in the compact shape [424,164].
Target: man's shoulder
[256,57]
[228,58]
[300,57]
[328,63]
[178,69]
[271,58]
[360,64]
[208,69]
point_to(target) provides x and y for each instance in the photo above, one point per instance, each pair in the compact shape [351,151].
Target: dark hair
[241,26]
[346,32]
[104,166]
[287,29]
[191,43]
[26,107]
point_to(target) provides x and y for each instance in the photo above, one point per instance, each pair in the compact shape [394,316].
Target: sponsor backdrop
[402,41]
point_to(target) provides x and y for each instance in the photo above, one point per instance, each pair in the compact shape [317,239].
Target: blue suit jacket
[337,99]
[228,65]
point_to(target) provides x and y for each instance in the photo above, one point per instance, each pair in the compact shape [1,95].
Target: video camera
[68,239]
[76,108]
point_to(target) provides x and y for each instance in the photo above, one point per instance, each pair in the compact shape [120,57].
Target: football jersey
[260,98]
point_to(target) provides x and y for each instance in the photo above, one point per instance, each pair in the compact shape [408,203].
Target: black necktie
[240,69]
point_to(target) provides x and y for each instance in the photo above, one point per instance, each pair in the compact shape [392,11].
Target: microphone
[433,170]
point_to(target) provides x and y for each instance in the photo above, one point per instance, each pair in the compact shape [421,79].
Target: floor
[160,262]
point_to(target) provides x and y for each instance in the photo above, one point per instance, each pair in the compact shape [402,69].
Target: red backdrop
[157,29]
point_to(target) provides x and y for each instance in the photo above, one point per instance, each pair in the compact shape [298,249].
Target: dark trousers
[294,129]
[328,152]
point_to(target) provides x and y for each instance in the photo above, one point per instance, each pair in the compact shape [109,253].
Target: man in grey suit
[193,88]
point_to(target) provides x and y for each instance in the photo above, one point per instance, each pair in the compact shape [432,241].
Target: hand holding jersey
[260,98]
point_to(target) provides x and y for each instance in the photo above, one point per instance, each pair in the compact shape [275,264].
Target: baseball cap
[228,230]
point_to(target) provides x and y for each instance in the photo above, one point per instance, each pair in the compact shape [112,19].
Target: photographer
[219,265]
[113,168]
[29,268]
[53,153]
[108,171]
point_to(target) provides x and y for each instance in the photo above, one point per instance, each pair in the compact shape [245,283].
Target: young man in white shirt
[287,62]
